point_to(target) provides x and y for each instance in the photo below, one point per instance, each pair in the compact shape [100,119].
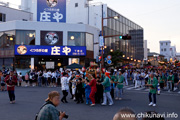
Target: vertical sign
[51,10]
[101,41]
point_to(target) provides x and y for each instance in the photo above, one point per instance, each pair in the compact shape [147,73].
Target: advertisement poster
[51,10]
[51,38]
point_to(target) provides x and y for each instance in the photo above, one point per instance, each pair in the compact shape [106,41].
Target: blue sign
[51,10]
[109,61]
[101,51]
[50,50]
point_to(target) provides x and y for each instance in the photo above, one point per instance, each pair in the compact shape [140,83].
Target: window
[76,4]
[26,37]
[89,42]
[76,39]
[161,44]
[164,49]
[166,43]
[161,49]
[2,17]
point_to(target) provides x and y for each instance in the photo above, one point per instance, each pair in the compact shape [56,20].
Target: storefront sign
[50,50]
[51,10]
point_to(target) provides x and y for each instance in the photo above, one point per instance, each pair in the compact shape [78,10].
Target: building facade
[167,50]
[78,23]
[155,58]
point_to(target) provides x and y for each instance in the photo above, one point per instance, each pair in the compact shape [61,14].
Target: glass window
[76,4]
[2,17]
[166,43]
[7,41]
[161,49]
[8,63]
[89,42]
[26,37]
[161,44]
[164,49]
[76,39]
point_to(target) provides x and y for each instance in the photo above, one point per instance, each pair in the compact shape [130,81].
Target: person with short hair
[87,92]
[170,80]
[48,111]
[130,114]
[92,84]
[26,79]
[65,87]
[119,86]
[152,83]
[11,81]
[3,82]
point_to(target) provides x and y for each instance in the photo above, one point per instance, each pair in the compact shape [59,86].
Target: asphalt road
[30,99]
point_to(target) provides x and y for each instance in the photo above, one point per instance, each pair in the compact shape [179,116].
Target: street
[30,99]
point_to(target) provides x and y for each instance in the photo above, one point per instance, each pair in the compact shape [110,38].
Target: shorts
[3,84]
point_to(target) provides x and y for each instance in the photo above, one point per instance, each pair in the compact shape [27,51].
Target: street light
[111,50]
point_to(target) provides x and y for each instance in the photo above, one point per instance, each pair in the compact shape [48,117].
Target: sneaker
[154,105]
[103,104]
[111,104]
[92,105]
[150,104]
[11,102]
[116,98]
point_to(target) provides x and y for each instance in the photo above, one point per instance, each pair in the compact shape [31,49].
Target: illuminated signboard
[51,10]
[50,50]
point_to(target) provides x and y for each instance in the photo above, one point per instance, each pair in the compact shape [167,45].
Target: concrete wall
[14,14]
[167,47]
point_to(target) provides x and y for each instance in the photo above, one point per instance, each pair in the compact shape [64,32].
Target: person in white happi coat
[65,86]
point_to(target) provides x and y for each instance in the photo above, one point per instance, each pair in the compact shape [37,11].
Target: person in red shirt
[92,84]
[11,81]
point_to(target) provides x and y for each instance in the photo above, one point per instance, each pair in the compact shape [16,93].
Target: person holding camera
[48,111]
[11,81]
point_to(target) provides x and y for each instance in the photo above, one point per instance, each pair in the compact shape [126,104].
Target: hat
[103,70]
[107,74]
[83,69]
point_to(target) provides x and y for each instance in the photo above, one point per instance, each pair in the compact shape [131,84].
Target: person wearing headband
[106,95]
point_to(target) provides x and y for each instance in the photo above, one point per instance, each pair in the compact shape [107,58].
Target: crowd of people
[95,88]
[101,87]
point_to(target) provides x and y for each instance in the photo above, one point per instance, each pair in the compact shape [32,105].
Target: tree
[116,57]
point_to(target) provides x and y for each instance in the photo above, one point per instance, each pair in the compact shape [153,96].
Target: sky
[159,18]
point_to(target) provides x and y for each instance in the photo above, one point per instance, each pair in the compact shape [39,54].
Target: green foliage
[116,57]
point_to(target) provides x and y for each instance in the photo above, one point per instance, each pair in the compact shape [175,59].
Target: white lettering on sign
[57,16]
[45,16]
[66,50]
[55,50]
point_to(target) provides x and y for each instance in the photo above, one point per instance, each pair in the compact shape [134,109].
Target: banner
[51,10]
[50,50]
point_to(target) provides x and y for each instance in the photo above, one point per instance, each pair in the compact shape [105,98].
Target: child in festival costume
[87,92]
